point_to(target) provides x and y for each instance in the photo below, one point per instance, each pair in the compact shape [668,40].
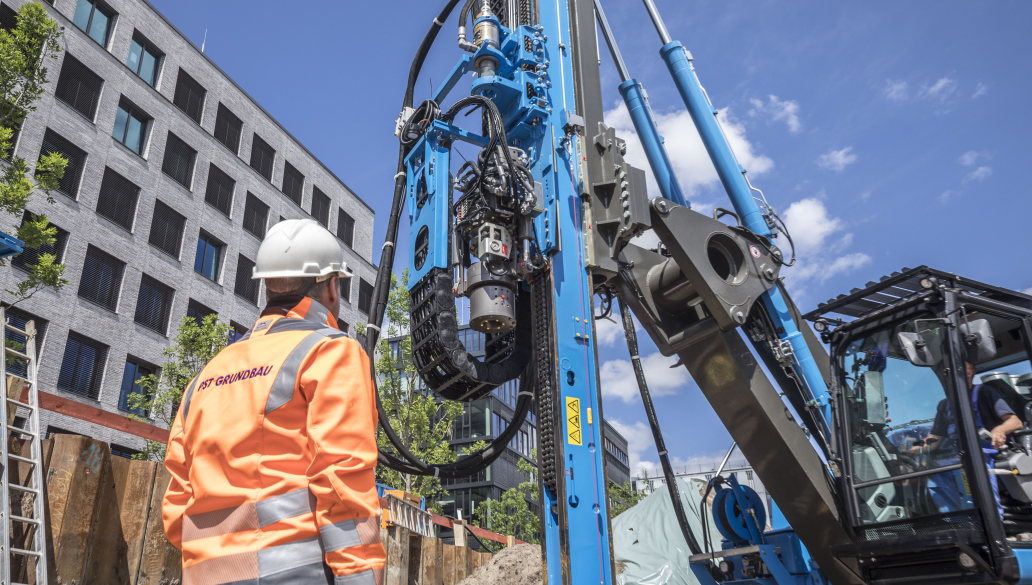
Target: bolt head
[661,206]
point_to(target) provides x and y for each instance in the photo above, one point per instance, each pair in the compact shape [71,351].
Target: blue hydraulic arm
[732,175]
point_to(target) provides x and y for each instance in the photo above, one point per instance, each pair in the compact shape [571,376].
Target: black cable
[657,434]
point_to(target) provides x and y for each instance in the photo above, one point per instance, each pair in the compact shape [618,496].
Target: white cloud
[979,174]
[837,160]
[1028,291]
[940,91]
[777,110]
[896,90]
[946,196]
[970,157]
[687,154]
[819,254]
[618,379]
[980,91]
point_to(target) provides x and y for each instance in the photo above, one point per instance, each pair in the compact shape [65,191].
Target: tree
[623,497]
[422,422]
[194,345]
[512,514]
[24,54]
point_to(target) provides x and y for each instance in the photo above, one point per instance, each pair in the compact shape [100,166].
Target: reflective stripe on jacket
[272,456]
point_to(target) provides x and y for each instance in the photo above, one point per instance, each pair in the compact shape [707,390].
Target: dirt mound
[516,565]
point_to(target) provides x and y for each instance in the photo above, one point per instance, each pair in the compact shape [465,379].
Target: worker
[273,449]
[991,413]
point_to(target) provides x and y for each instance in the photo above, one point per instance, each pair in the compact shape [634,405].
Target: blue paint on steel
[10,245]
[732,175]
[1024,557]
[645,126]
[460,69]
[429,184]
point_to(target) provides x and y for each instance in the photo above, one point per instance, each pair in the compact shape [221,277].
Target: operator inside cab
[993,413]
[273,450]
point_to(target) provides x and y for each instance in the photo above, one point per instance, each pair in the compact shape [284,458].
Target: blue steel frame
[536,124]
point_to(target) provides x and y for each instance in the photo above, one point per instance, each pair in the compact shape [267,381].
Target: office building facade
[175,174]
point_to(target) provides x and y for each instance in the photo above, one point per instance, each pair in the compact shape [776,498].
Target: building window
[30,257]
[123,451]
[320,207]
[144,59]
[55,143]
[198,312]
[131,127]
[79,87]
[189,96]
[8,18]
[154,304]
[117,200]
[19,320]
[131,376]
[236,332]
[227,129]
[179,160]
[83,366]
[209,257]
[95,19]
[345,228]
[365,296]
[343,326]
[344,284]
[748,474]
[220,190]
[101,278]
[262,157]
[256,214]
[246,288]
[166,232]
[293,183]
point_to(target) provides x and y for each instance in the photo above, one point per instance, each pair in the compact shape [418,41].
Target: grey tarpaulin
[648,544]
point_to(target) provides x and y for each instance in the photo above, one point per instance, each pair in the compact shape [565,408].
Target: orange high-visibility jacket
[272,457]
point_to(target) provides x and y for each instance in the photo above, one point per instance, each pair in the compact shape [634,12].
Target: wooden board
[160,563]
[107,549]
[462,563]
[73,481]
[112,420]
[134,481]
[430,573]
[448,564]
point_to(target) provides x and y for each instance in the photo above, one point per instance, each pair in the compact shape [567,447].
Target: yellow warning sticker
[573,421]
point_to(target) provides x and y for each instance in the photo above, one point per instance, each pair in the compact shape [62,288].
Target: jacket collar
[298,307]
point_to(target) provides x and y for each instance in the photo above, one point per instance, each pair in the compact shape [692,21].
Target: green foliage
[24,54]
[193,346]
[423,424]
[623,498]
[512,514]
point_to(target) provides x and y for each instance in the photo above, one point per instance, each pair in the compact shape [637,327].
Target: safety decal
[231,378]
[573,421]
[754,251]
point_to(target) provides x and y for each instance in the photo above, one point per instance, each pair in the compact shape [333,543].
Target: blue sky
[888,134]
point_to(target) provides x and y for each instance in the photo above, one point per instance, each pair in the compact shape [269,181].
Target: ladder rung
[25,381]
[21,551]
[18,354]
[24,519]
[16,330]
[20,458]
[22,488]
[21,404]
[22,431]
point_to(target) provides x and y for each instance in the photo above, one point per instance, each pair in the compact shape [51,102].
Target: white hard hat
[300,248]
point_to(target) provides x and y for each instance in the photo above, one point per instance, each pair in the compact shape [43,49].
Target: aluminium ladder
[22,530]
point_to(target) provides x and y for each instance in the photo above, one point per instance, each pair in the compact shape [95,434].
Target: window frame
[249,209]
[256,138]
[145,46]
[199,307]
[229,125]
[130,108]
[182,230]
[60,90]
[220,246]
[106,10]
[185,83]
[326,205]
[123,396]
[166,308]
[192,164]
[99,365]
[59,247]
[80,168]
[119,203]
[117,279]
[217,174]
[343,216]
[245,282]
[368,305]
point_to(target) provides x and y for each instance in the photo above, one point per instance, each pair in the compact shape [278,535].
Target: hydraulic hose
[657,434]
[408,462]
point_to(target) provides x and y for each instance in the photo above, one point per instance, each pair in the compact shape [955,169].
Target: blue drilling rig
[541,223]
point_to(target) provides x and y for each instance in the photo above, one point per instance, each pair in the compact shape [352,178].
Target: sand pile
[516,565]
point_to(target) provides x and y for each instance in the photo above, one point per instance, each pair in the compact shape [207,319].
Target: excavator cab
[924,366]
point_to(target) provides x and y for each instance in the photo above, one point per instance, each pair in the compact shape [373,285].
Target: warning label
[573,421]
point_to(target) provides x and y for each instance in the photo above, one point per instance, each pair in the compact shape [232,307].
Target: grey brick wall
[65,310]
